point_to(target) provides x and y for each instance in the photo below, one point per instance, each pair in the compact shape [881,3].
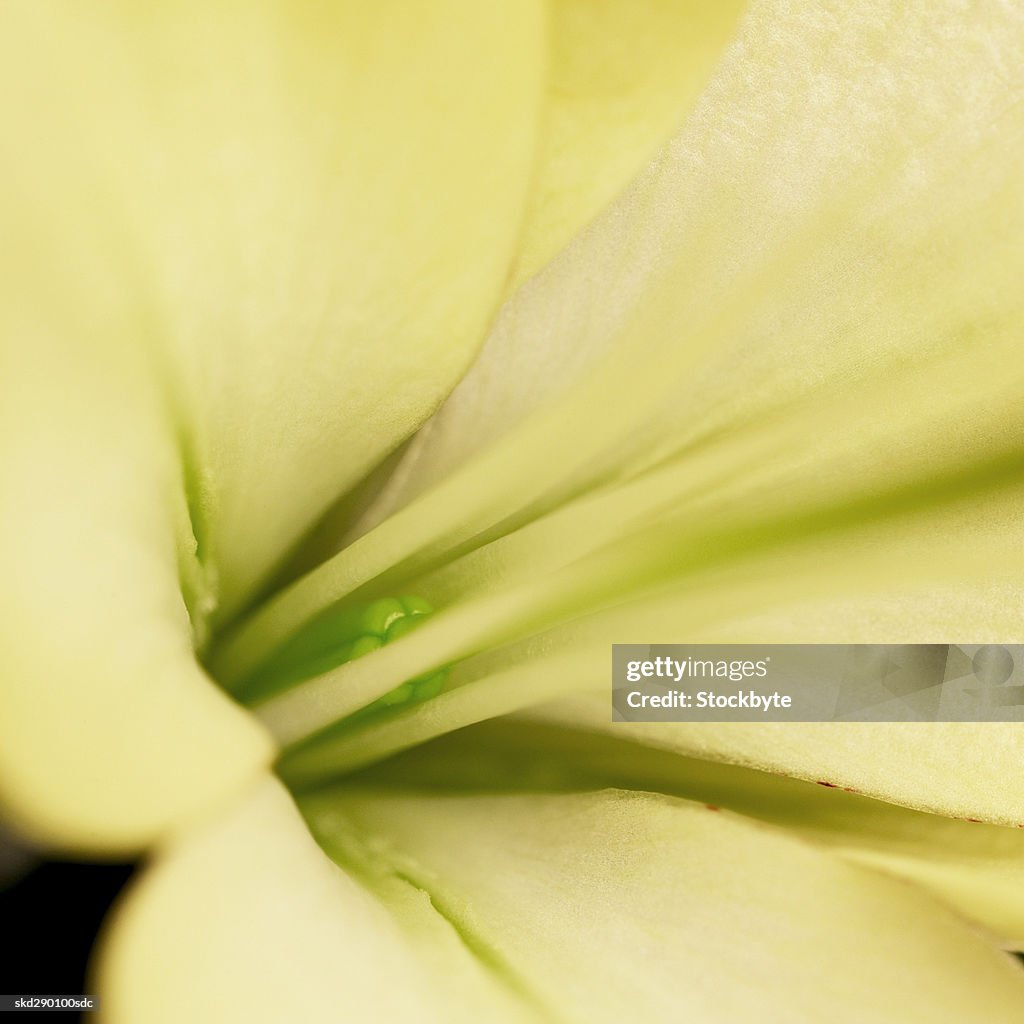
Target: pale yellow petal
[624,74]
[616,906]
[110,733]
[317,202]
[976,867]
[806,313]
[249,921]
[586,907]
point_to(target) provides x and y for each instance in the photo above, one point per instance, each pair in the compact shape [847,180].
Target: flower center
[339,635]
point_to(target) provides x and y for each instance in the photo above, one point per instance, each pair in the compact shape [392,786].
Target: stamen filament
[344,749]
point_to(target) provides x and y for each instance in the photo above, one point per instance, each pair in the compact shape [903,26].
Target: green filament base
[338,636]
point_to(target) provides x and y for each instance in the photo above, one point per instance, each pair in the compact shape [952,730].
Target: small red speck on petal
[829,785]
[977,821]
[712,807]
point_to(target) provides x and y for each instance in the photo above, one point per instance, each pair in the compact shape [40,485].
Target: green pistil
[340,635]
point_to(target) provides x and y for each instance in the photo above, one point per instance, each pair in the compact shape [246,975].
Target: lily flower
[368,369]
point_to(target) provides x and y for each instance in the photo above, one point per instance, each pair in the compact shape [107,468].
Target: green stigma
[337,636]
